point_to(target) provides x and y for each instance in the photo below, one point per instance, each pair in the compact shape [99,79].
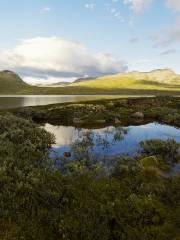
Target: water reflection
[7,102]
[110,141]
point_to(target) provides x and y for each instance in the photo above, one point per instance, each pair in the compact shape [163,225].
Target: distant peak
[165,70]
[8,72]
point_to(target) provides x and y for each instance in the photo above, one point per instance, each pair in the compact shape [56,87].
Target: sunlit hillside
[155,80]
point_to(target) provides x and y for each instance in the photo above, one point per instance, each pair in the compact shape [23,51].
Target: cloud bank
[54,59]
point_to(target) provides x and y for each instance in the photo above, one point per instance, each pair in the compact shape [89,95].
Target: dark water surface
[111,141]
[15,101]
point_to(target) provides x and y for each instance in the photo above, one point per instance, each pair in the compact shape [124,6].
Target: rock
[67,154]
[138,115]
[110,104]
[77,121]
[117,121]
[97,108]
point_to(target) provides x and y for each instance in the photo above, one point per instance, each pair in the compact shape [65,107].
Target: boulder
[100,121]
[110,104]
[117,121]
[67,154]
[77,121]
[138,115]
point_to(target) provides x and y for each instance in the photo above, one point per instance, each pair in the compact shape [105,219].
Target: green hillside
[155,82]
[11,83]
[161,80]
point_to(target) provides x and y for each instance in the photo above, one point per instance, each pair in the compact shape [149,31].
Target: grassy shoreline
[75,90]
[106,112]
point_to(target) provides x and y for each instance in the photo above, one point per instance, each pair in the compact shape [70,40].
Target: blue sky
[131,34]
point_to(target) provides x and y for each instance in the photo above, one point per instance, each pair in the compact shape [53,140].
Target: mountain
[84,79]
[59,84]
[166,76]
[161,81]
[11,83]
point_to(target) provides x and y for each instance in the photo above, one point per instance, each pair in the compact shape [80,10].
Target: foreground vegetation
[108,112]
[44,198]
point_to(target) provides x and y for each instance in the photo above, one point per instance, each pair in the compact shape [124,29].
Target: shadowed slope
[10,82]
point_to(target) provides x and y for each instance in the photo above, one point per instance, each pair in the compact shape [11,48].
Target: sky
[48,41]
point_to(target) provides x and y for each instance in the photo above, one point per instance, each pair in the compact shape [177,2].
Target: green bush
[39,202]
[168,150]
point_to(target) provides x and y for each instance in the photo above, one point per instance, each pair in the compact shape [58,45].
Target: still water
[110,141]
[15,101]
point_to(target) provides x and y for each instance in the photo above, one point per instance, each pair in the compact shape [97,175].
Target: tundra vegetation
[108,112]
[44,198]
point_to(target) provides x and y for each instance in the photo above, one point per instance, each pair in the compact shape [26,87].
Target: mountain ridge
[159,80]
[157,76]
[11,82]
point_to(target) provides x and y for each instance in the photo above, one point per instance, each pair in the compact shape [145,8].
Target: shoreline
[106,112]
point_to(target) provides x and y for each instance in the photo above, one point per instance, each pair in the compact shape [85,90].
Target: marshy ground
[132,197]
[107,112]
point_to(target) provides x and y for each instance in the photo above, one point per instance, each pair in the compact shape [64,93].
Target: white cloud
[174,5]
[46,80]
[116,14]
[90,5]
[46,9]
[137,6]
[168,52]
[52,59]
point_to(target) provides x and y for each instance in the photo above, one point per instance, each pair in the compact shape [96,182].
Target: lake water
[15,101]
[110,141]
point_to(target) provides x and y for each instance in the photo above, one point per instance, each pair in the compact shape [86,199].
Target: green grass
[134,81]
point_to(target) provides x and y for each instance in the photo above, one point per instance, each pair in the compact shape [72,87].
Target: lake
[110,141]
[15,101]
